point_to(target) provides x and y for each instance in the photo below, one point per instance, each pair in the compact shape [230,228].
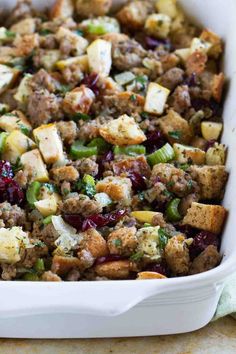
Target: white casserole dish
[135,308]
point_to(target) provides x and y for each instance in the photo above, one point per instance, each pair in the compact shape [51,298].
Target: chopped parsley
[82,116]
[133,98]
[45,32]
[175,134]
[10,34]
[163,238]
[136,257]
[117,242]
[170,184]
[144,115]
[17,166]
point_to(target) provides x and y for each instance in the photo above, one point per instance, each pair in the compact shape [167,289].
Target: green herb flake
[163,238]
[136,257]
[170,184]
[133,98]
[117,242]
[144,115]
[82,116]
[10,34]
[45,32]
[175,134]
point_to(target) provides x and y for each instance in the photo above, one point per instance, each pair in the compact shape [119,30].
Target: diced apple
[49,142]
[7,77]
[81,62]
[47,206]
[17,144]
[16,120]
[211,130]
[144,216]
[33,164]
[99,57]
[156,98]
[185,153]
[24,90]
[183,53]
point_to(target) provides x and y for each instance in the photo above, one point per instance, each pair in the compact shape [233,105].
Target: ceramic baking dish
[136,308]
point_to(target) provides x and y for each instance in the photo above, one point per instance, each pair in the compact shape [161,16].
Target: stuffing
[94,243]
[62,9]
[118,188]
[81,204]
[114,270]
[206,260]
[122,131]
[93,7]
[63,265]
[135,14]
[78,100]
[206,217]
[173,122]
[177,255]
[64,173]
[67,131]
[123,241]
[211,179]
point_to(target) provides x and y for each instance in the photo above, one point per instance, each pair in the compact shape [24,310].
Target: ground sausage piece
[81,205]
[8,271]
[177,255]
[127,54]
[47,234]
[50,276]
[30,255]
[42,80]
[206,260]
[12,215]
[180,100]
[123,241]
[94,243]
[176,180]
[62,265]
[21,178]
[172,78]
[124,102]
[133,164]
[68,131]
[87,166]
[64,173]
[43,107]
[114,270]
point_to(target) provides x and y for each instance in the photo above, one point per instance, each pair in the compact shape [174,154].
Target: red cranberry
[138,181]
[99,220]
[106,158]
[74,220]
[10,191]
[155,140]
[91,81]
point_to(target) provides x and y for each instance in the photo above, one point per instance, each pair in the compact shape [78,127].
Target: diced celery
[131,150]
[162,155]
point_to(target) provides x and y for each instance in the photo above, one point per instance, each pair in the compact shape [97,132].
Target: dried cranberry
[187,230]
[108,258]
[91,81]
[210,144]
[158,268]
[106,158]
[201,103]
[138,181]
[10,191]
[155,140]
[5,169]
[74,220]
[191,80]
[201,241]
[99,220]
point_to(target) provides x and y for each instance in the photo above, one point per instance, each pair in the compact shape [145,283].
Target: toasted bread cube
[64,173]
[185,153]
[217,86]
[167,7]
[26,44]
[47,206]
[80,61]
[206,217]
[25,26]
[93,8]
[16,120]
[134,14]
[114,270]
[173,122]
[99,57]
[24,90]
[78,100]
[93,242]
[33,164]
[7,77]
[17,144]
[122,131]
[177,255]
[215,40]
[78,43]
[212,180]
[200,45]
[211,130]
[12,241]
[156,98]
[49,142]
[158,25]
[50,58]
[118,188]
[62,9]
